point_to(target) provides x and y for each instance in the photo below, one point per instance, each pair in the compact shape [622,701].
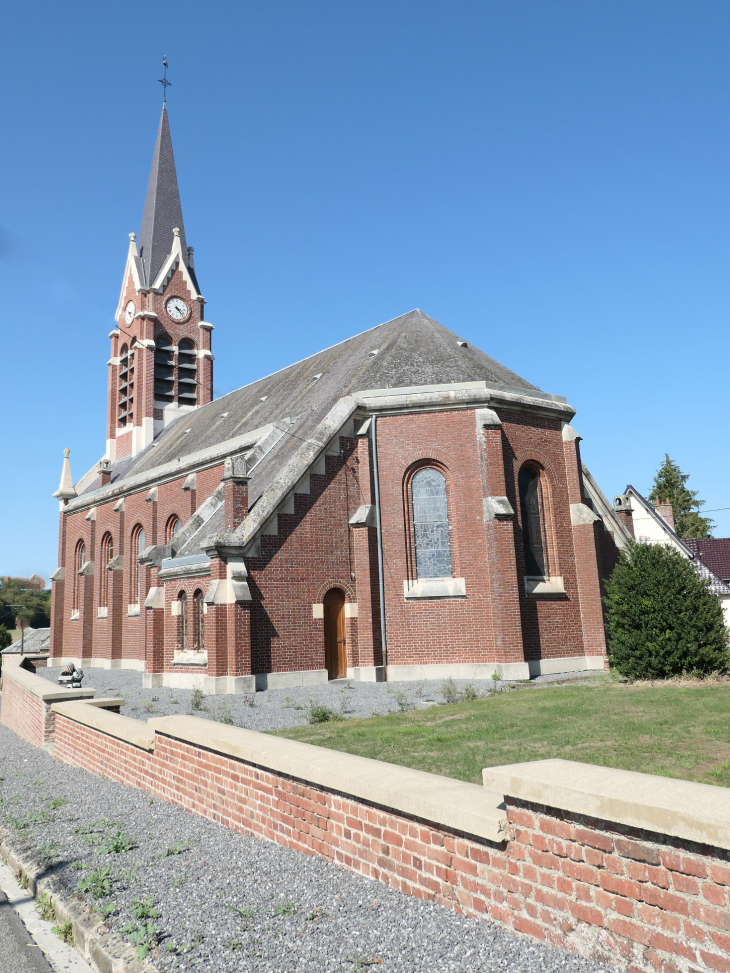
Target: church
[399,506]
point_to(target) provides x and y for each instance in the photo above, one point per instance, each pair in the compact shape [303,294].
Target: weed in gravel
[402,700]
[246,914]
[117,844]
[179,879]
[24,881]
[174,702]
[298,707]
[96,883]
[344,703]
[45,908]
[360,962]
[470,692]
[233,944]
[144,935]
[316,914]
[495,681]
[287,702]
[449,691]
[65,932]
[126,876]
[196,700]
[47,852]
[104,909]
[199,940]
[147,706]
[224,716]
[420,688]
[57,802]
[77,866]
[144,910]
[177,849]
[318,713]
[250,700]
[285,908]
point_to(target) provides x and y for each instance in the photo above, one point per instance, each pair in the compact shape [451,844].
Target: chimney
[665,511]
[235,491]
[105,472]
[622,507]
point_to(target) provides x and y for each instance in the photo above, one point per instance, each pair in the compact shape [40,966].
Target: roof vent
[373,353]
[186,431]
[223,415]
[263,398]
[317,377]
[462,344]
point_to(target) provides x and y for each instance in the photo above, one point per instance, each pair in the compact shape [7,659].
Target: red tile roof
[715,553]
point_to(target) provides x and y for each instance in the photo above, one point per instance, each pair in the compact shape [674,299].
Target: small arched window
[187,373]
[164,370]
[533,522]
[79,562]
[182,630]
[173,526]
[199,614]
[107,553]
[431,524]
[138,543]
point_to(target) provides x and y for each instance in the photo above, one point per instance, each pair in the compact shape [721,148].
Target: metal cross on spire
[163,81]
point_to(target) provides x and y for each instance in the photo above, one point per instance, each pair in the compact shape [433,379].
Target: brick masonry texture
[315,549]
[643,901]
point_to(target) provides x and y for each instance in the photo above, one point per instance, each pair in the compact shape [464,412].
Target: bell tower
[161,363]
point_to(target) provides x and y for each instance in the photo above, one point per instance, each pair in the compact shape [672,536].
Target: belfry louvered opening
[164,370]
[125,414]
[187,373]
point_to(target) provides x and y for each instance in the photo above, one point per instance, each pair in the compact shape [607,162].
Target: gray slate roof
[162,209]
[412,350]
[36,640]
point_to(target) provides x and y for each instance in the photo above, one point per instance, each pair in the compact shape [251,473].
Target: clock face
[177,308]
[129,312]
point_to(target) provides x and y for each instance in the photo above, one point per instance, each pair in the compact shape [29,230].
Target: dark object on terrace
[71,676]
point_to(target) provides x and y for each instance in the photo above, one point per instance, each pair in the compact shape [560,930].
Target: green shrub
[663,619]
[449,691]
[321,714]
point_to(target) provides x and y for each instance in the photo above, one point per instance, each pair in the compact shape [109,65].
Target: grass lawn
[675,731]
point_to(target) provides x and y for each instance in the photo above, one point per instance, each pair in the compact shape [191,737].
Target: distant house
[34,581]
[654,524]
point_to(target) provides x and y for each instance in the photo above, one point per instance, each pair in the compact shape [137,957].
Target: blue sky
[549,180]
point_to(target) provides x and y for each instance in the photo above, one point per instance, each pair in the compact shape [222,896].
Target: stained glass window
[532,536]
[431,524]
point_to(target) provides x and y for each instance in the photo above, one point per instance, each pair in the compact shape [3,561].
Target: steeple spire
[162,209]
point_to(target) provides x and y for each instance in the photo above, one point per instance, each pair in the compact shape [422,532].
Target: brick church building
[397,506]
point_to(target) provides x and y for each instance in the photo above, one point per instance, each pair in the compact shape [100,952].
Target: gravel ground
[279,709]
[228,902]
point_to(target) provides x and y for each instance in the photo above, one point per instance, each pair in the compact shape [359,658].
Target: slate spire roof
[162,209]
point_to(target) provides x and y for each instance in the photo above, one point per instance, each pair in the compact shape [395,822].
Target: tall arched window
[164,370]
[136,570]
[431,524]
[533,523]
[182,630]
[79,562]
[107,553]
[199,615]
[171,528]
[187,373]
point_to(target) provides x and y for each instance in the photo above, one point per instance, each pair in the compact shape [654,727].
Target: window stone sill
[427,588]
[190,659]
[132,611]
[102,613]
[75,616]
[544,587]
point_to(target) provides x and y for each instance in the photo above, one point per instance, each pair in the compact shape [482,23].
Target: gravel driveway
[228,902]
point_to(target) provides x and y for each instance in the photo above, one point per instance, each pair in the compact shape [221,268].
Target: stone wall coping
[453,804]
[124,728]
[40,687]
[681,808]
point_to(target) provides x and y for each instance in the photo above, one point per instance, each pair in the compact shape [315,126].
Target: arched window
[164,370]
[126,385]
[136,572]
[107,553]
[533,523]
[187,373]
[79,562]
[182,630]
[172,527]
[431,524]
[199,615]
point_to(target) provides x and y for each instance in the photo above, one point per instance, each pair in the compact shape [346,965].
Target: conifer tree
[670,487]
[663,619]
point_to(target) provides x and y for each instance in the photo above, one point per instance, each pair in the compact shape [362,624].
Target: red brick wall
[26,714]
[645,901]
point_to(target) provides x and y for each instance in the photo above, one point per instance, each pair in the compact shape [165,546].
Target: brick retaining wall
[643,900]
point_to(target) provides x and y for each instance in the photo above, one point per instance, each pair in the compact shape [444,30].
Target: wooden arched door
[335,648]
